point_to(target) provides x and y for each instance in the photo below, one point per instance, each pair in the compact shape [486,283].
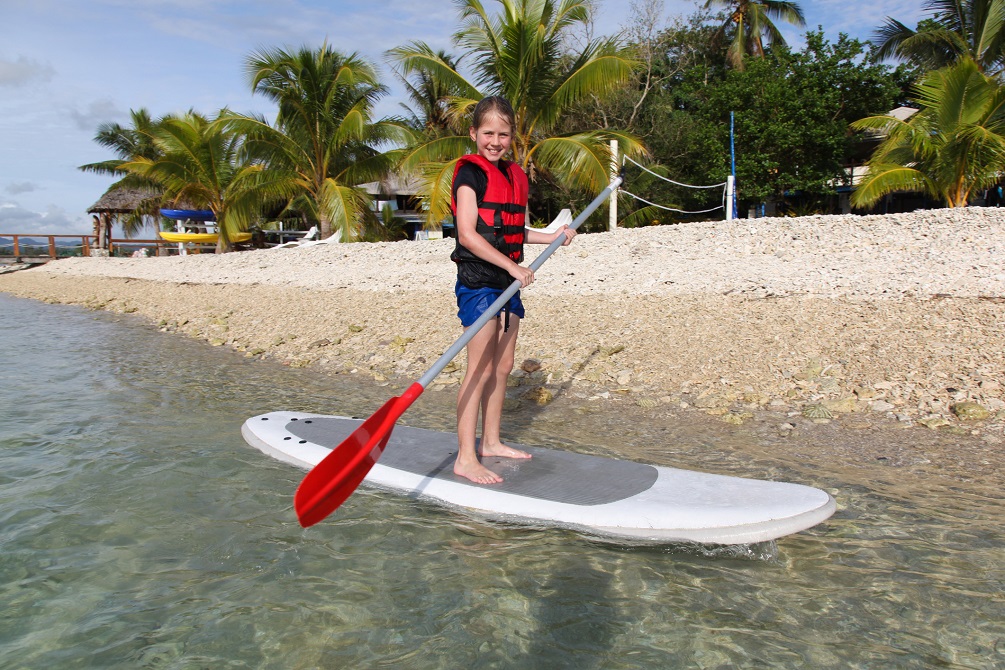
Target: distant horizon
[59,81]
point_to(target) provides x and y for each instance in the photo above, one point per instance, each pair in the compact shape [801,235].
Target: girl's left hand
[569,233]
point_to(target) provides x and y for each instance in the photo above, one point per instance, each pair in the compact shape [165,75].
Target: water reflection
[138,530]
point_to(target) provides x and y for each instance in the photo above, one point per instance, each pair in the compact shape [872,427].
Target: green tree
[325,137]
[750,24]
[792,119]
[519,54]
[958,30]
[952,146]
[201,163]
[130,143]
[430,98]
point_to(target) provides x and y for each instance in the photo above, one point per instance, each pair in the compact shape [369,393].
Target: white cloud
[20,187]
[24,71]
[54,221]
[96,113]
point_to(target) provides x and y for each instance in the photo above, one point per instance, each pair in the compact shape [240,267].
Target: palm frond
[418,57]
[580,160]
[434,151]
[885,179]
[435,179]
[648,215]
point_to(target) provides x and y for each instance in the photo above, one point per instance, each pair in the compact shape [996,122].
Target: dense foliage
[954,145]
[801,118]
[792,113]
[522,54]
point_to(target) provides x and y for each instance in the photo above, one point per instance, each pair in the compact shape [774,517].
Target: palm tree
[201,163]
[430,97]
[952,146]
[324,136]
[129,143]
[518,54]
[959,29]
[751,24]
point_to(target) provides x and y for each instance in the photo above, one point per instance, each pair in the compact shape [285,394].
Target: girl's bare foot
[502,450]
[476,472]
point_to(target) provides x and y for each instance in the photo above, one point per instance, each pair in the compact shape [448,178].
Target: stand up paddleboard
[602,497]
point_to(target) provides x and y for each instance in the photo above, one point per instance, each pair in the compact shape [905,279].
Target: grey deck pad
[558,476]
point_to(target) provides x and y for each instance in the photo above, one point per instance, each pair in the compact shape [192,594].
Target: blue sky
[68,65]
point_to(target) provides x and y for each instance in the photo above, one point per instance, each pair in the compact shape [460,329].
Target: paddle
[334,479]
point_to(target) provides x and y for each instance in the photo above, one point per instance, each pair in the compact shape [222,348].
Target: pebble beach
[900,318]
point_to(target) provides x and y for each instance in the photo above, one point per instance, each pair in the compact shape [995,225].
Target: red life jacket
[502,214]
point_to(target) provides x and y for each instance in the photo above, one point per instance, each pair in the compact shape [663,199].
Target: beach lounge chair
[308,237]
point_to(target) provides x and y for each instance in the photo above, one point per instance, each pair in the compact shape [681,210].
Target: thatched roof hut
[117,201]
[122,200]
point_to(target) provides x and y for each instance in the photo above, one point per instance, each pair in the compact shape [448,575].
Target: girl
[489,204]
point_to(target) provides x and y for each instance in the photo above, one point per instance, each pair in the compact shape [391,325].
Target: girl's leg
[494,393]
[481,356]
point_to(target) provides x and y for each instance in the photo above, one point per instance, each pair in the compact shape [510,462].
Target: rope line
[671,209]
[677,183]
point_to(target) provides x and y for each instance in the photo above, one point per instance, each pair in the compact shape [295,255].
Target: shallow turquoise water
[138,530]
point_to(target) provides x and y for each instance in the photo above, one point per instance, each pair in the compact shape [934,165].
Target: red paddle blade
[334,479]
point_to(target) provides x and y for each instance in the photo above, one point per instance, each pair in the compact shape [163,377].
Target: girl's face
[493,137]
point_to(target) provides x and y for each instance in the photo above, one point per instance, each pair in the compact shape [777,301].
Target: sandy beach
[894,318]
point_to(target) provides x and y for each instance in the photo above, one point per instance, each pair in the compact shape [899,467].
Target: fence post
[730,184]
[612,221]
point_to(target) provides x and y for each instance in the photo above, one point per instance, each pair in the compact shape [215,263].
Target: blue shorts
[472,303]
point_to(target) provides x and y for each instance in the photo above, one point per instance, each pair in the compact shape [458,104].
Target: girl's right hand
[525,275]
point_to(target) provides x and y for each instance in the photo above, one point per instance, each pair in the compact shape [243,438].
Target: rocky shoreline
[899,316]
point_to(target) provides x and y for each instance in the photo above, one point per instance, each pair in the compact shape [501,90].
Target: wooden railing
[43,248]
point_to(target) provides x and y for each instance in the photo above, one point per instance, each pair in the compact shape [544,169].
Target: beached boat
[193,227]
[201,238]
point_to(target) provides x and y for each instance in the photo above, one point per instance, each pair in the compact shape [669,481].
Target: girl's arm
[467,235]
[537,237]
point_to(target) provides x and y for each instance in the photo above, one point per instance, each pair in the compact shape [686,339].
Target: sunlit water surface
[138,530]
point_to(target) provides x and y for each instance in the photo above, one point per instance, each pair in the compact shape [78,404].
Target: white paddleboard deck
[602,497]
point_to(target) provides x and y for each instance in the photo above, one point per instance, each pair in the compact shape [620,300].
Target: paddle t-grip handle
[494,308]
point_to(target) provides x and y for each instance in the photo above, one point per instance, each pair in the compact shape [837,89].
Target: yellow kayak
[201,238]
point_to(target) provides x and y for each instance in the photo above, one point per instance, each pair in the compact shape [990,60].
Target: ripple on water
[138,530]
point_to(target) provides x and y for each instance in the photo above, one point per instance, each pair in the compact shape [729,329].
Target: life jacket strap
[507,207]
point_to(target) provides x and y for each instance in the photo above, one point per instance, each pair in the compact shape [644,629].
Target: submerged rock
[540,395]
[970,411]
[817,411]
[841,405]
[933,422]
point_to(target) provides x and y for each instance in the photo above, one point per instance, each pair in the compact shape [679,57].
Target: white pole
[612,221]
[729,198]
